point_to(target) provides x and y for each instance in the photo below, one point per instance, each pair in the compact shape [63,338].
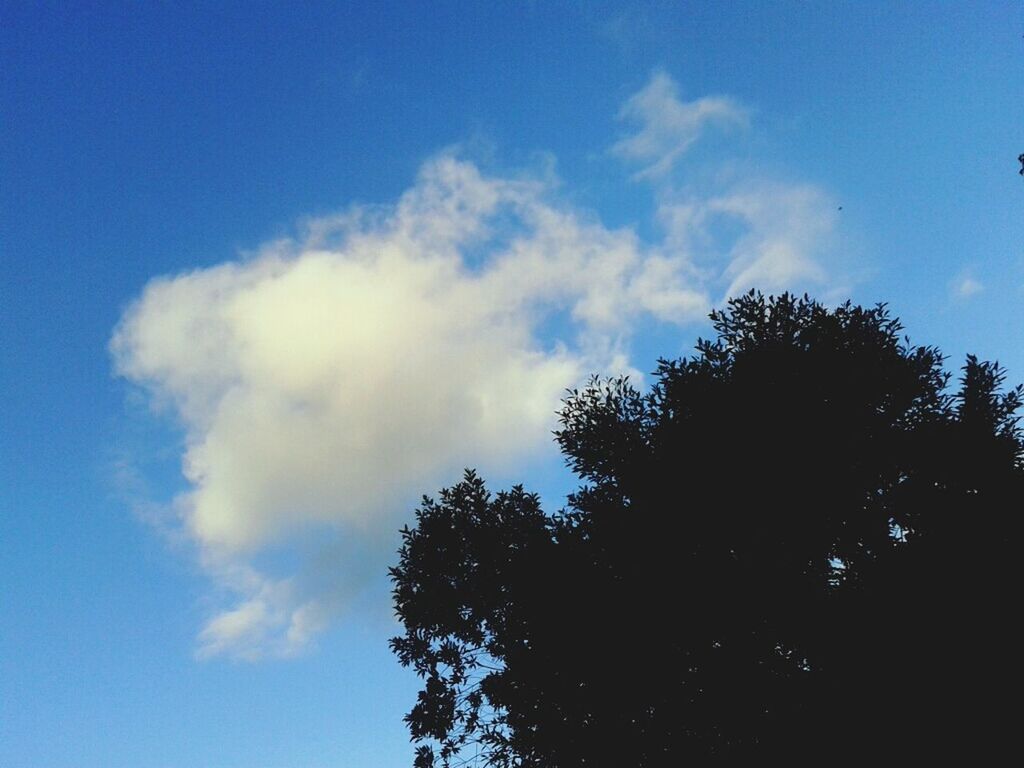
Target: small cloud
[965,287]
[668,127]
[629,29]
[777,235]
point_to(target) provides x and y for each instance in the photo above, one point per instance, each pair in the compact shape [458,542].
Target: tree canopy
[799,544]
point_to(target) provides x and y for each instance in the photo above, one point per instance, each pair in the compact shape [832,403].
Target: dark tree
[799,546]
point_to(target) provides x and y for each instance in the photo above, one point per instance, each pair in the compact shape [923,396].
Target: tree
[799,545]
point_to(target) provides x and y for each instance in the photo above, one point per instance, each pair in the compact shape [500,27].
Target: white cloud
[965,286]
[323,384]
[775,234]
[668,127]
[745,232]
[330,386]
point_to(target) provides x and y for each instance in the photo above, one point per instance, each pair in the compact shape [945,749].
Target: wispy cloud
[744,231]
[770,235]
[668,126]
[630,28]
[965,286]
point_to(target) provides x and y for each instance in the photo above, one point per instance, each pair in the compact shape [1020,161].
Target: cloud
[668,127]
[965,287]
[323,383]
[747,230]
[770,235]
[630,28]
[329,385]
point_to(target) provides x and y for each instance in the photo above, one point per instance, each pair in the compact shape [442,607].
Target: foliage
[799,545]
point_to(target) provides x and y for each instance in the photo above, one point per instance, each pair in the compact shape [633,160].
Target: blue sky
[270,273]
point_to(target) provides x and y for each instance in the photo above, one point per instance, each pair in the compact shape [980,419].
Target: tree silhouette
[799,545]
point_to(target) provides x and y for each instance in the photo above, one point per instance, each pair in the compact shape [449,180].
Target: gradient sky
[270,273]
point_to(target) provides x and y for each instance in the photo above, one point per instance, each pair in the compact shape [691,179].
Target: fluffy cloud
[668,126]
[324,383]
[329,386]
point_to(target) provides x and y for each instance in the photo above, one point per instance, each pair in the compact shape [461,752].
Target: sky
[269,273]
